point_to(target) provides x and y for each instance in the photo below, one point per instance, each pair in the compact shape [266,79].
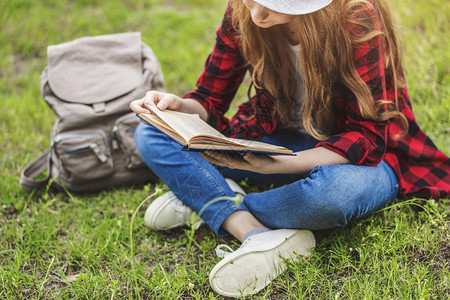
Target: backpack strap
[34,168]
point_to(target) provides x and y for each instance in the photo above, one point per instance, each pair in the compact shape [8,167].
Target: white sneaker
[259,260]
[168,212]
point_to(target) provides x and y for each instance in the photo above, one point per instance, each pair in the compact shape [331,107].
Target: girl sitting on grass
[328,85]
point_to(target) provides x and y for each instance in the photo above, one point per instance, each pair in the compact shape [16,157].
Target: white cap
[294,7]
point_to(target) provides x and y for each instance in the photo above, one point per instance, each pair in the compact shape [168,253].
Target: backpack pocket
[82,157]
[123,131]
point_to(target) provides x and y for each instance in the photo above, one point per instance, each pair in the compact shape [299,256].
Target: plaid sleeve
[223,73]
[362,141]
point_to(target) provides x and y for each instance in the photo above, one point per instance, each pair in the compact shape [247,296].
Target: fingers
[232,160]
[159,99]
[138,107]
[212,158]
[214,154]
[168,101]
[163,100]
[223,156]
[248,156]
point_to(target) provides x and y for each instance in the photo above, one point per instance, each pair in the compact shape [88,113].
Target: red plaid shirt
[421,169]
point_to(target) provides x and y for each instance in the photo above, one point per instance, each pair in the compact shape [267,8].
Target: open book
[194,134]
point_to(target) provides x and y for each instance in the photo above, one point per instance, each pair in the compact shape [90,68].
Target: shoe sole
[248,271]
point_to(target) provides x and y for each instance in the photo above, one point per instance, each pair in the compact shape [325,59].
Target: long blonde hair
[327,58]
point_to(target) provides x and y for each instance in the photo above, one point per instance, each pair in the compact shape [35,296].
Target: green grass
[47,239]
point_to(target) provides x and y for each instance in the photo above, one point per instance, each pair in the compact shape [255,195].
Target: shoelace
[220,252]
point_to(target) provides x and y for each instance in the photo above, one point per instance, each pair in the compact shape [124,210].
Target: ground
[55,245]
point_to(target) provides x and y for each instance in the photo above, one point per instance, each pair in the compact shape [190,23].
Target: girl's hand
[259,163]
[159,99]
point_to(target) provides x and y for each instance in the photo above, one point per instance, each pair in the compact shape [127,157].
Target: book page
[254,144]
[187,125]
[224,143]
[161,125]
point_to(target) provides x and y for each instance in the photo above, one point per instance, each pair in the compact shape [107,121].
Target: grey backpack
[89,83]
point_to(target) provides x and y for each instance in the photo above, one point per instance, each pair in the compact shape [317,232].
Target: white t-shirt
[295,120]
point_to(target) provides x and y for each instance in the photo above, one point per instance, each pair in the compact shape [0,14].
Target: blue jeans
[329,196]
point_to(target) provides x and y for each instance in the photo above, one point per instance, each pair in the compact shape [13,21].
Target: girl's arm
[223,73]
[217,85]
[192,106]
[303,162]
[306,160]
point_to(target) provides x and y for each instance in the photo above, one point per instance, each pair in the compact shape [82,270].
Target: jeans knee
[149,141]
[332,213]
[329,200]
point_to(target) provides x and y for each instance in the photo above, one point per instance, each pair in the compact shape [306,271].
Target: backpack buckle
[99,107]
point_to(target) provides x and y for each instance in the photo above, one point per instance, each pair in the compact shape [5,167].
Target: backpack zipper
[89,147]
[115,129]
[94,147]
